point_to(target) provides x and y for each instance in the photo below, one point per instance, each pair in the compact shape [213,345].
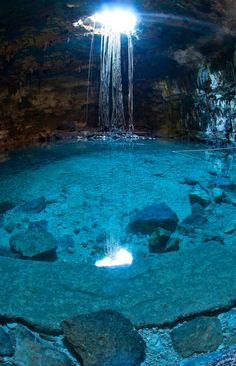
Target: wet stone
[34,206]
[34,351]
[150,218]
[34,243]
[200,335]
[105,338]
[6,346]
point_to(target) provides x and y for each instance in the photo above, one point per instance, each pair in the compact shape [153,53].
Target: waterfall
[111,103]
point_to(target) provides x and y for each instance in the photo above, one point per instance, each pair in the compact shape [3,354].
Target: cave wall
[184,81]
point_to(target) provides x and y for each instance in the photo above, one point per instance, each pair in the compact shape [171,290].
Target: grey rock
[149,219]
[34,243]
[6,345]
[199,196]
[200,335]
[34,206]
[158,240]
[105,338]
[146,292]
[34,351]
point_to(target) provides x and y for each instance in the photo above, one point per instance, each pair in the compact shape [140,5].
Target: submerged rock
[34,243]
[222,182]
[105,338]
[34,206]
[6,345]
[34,351]
[200,335]
[218,194]
[231,228]
[173,244]
[6,206]
[158,240]
[150,218]
[201,197]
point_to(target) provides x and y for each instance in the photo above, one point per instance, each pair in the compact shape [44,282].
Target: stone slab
[155,291]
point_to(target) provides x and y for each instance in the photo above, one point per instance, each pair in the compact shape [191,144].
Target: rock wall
[44,69]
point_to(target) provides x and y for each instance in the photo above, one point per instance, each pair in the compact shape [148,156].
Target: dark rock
[105,338]
[222,182]
[34,243]
[153,217]
[34,206]
[158,240]
[201,197]
[6,345]
[203,334]
[6,206]
[34,351]
[190,181]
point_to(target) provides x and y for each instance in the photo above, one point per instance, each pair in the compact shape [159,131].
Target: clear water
[93,189]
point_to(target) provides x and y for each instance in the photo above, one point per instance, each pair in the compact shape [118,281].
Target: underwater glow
[118,21]
[120,258]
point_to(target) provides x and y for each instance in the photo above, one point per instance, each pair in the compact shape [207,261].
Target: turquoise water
[80,198]
[92,189]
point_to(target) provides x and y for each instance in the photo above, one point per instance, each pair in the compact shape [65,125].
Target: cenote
[118,182]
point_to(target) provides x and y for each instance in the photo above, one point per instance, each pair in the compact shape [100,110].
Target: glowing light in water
[120,258]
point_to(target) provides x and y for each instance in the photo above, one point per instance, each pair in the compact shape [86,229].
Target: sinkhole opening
[117,20]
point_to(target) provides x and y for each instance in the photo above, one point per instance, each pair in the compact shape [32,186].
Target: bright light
[120,258]
[119,21]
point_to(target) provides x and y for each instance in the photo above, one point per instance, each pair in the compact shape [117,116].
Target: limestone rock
[200,196]
[146,292]
[105,338]
[149,219]
[6,346]
[34,206]
[34,243]
[200,335]
[158,240]
[33,351]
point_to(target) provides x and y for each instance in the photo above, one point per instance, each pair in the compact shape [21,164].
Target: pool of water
[63,207]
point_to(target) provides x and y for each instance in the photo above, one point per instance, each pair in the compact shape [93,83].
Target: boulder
[104,338]
[203,334]
[34,243]
[34,206]
[158,240]
[6,344]
[150,218]
[34,351]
